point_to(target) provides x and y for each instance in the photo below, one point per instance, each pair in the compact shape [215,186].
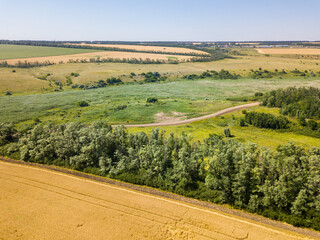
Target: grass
[20,51]
[90,72]
[263,137]
[193,98]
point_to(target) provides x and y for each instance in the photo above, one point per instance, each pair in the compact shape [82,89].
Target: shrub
[120,107]
[83,104]
[152,100]
[242,122]
[227,132]
[74,74]
[7,133]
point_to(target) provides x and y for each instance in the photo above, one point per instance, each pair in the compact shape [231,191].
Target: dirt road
[37,203]
[187,121]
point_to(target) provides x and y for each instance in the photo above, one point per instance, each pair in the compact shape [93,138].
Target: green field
[192,98]
[8,51]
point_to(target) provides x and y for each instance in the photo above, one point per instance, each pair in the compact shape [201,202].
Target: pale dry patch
[169,118]
[307,51]
[104,54]
[146,48]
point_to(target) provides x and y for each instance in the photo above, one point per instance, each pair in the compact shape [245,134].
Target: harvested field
[37,203]
[147,48]
[104,54]
[307,51]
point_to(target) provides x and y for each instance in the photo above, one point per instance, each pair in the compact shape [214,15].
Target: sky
[162,20]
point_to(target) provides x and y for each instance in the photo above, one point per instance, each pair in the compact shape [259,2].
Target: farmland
[95,54]
[146,48]
[90,72]
[45,102]
[21,52]
[106,210]
[305,51]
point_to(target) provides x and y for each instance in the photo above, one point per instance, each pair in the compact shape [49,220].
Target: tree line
[303,102]
[282,184]
[222,74]
[25,64]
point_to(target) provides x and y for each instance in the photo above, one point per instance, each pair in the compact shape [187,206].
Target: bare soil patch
[169,118]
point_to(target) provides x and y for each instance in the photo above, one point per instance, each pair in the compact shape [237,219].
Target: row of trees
[26,64]
[222,74]
[281,184]
[100,84]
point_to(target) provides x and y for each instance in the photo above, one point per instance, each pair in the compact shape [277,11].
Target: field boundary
[172,196]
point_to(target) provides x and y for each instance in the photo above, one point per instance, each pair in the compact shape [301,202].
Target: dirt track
[38,203]
[187,121]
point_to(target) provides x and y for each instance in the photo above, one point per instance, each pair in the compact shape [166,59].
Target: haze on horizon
[166,20]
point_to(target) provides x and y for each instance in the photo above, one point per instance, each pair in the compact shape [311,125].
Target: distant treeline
[100,84]
[281,184]
[25,64]
[222,74]
[127,60]
[253,74]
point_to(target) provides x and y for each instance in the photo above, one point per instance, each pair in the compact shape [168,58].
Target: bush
[242,122]
[152,100]
[227,132]
[82,104]
[7,133]
[74,74]
[120,107]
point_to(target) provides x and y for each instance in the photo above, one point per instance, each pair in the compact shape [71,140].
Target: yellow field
[147,48]
[307,51]
[104,54]
[42,204]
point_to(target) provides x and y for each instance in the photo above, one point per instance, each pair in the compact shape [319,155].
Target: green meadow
[192,98]
[8,51]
